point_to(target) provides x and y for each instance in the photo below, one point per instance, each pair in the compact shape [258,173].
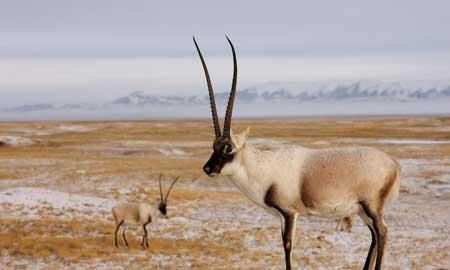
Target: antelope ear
[239,139]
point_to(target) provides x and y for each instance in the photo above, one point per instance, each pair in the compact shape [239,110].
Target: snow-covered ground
[409,141]
[16,140]
[31,200]
[40,130]
[56,208]
[393,141]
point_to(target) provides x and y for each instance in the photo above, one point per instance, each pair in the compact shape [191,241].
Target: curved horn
[170,188]
[228,114]
[211,92]
[160,188]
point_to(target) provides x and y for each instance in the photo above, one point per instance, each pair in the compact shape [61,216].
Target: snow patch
[74,128]
[173,152]
[321,143]
[16,140]
[49,130]
[70,204]
[138,143]
[411,141]
[391,141]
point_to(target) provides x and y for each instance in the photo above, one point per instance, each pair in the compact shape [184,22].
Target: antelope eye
[227,149]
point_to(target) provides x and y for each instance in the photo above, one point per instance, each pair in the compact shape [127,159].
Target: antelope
[140,214]
[294,180]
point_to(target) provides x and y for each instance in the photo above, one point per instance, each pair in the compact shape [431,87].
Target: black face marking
[162,208]
[223,154]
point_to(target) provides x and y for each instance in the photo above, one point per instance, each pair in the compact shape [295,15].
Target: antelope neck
[246,174]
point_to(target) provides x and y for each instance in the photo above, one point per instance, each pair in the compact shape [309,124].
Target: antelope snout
[212,166]
[207,169]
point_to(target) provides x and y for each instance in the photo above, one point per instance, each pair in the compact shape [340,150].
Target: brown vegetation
[120,160]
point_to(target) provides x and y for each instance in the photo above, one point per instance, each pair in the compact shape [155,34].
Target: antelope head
[163,199]
[226,145]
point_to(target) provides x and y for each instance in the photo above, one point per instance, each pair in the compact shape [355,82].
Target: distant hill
[277,92]
[261,96]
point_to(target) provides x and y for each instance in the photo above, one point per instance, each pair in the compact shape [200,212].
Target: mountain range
[279,92]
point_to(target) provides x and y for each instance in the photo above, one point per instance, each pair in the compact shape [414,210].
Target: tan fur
[324,182]
[333,183]
[132,213]
[392,190]
[342,177]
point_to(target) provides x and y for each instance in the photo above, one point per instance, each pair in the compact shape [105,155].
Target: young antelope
[140,214]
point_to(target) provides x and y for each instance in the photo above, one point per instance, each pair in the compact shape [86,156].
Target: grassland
[56,193]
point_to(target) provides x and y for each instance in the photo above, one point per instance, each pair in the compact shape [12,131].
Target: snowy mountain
[355,90]
[140,98]
[338,92]
[49,107]
[276,92]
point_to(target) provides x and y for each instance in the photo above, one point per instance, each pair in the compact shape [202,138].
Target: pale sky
[93,50]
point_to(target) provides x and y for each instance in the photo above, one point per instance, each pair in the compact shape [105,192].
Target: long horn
[160,188]
[211,92]
[170,188]
[228,115]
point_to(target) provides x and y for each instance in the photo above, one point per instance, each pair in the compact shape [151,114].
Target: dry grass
[117,160]
[75,241]
[97,144]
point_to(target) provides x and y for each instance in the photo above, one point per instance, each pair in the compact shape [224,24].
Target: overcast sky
[95,50]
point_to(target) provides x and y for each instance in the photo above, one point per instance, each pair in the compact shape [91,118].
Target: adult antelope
[292,181]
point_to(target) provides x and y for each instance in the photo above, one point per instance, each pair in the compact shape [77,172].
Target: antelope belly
[333,210]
